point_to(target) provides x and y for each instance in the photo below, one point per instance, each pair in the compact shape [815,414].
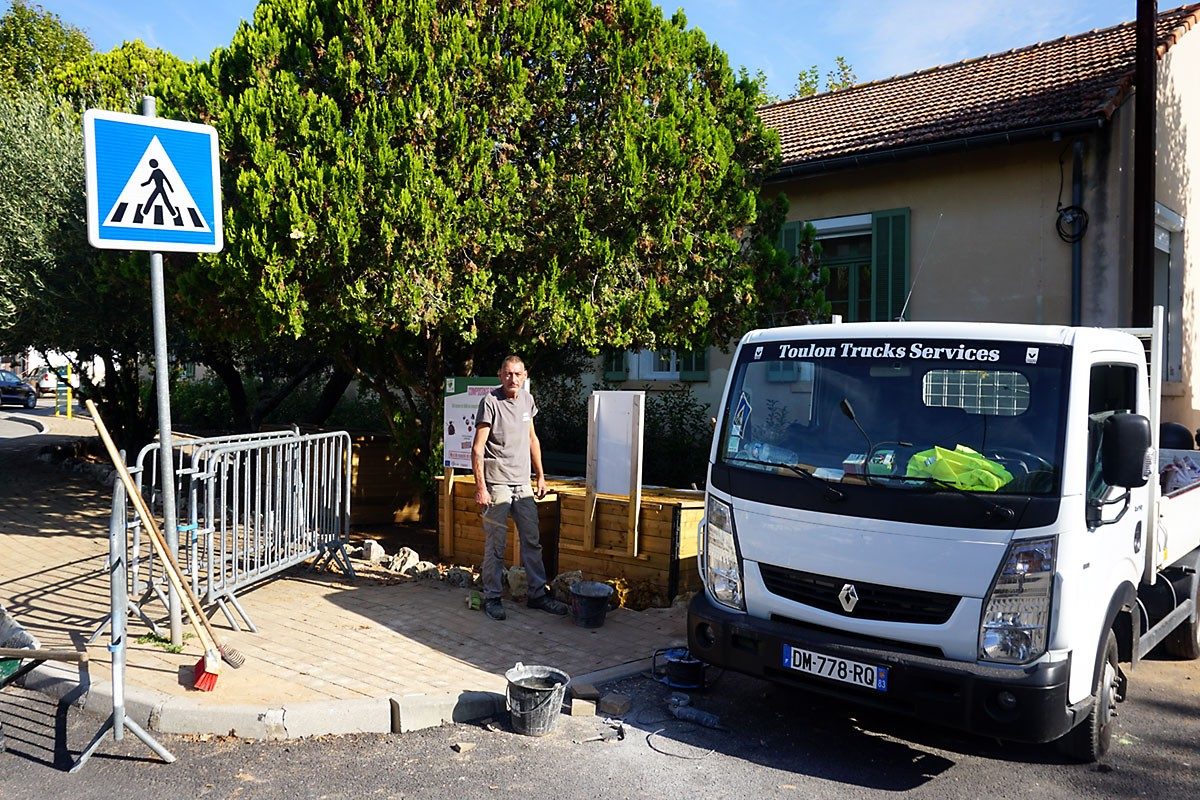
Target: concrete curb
[32,422]
[164,713]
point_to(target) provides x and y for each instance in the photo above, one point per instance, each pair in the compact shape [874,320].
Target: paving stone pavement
[331,654]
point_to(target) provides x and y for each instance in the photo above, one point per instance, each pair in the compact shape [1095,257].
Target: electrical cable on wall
[1068,216]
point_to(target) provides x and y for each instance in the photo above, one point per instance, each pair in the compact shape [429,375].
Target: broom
[208,668]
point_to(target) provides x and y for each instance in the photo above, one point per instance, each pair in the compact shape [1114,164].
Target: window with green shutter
[693,365]
[868,260]
[615,366]
[889,263]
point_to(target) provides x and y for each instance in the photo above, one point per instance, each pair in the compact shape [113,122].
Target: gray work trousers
[518,502]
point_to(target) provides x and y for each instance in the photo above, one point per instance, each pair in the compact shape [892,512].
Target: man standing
[504,447]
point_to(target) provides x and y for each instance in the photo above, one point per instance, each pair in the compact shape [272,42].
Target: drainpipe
[1077,238]
[1144,119]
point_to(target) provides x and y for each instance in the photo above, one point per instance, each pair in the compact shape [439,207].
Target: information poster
[458,424]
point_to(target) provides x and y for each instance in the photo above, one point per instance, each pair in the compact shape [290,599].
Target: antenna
[921,266]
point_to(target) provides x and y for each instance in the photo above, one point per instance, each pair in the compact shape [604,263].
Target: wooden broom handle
[171,566]
[43,655]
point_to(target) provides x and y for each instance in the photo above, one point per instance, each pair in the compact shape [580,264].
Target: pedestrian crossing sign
[152,184]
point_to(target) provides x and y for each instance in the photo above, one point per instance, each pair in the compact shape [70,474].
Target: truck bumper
[1026,704]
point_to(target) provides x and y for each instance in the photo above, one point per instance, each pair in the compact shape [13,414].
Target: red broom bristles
[203,679]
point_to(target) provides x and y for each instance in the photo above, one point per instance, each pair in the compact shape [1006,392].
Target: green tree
[56,291]
[421,186]
[808,82]
[33,43]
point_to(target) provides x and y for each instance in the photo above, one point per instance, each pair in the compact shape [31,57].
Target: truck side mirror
[1123,450]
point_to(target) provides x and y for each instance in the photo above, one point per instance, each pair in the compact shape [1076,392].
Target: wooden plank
[635,477]
[590,564]
[446,540]
[589,502]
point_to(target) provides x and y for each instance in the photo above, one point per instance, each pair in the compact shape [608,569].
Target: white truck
[958,521]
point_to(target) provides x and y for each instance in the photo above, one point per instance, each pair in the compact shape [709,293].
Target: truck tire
[1184,641]
[1090,740]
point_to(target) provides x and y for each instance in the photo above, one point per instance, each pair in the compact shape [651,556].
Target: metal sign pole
[118,600]
[162,368]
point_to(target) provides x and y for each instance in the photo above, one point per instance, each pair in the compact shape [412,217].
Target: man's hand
[483,498]
[539,489]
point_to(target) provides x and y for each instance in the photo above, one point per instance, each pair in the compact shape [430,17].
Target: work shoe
[494,608]
[549,605]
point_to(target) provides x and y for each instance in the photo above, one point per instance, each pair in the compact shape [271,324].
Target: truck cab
[949,520]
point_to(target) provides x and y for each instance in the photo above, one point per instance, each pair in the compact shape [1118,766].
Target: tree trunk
[335,387]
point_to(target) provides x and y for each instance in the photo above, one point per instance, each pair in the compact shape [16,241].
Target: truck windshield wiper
[831,491]
[994,508]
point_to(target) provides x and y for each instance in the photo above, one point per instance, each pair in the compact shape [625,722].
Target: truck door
[1116,543]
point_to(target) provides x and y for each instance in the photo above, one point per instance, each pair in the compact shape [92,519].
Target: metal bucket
[535,698]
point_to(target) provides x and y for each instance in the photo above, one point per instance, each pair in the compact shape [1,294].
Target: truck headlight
[722,573]
[1016,616]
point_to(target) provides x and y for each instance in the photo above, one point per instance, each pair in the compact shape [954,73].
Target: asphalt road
[773,743]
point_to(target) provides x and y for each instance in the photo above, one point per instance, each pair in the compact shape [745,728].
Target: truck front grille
[875,601]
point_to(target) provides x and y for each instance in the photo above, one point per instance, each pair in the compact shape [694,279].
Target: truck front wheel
[1090,740]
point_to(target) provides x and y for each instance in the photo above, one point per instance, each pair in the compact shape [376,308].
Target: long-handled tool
[210,665]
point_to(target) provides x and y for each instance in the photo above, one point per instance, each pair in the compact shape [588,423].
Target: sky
[879,38]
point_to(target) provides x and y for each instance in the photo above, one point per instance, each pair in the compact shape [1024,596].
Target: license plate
[834,668]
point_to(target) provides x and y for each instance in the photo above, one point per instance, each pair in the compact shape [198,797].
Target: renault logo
[848,597]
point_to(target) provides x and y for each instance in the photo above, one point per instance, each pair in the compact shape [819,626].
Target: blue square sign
[152,184]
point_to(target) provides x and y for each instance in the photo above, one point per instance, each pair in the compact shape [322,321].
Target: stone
[457,576]
[463,747]
[518,584]
[560,587]
[373,551]
[615,704]
[405,560]
[425,569]
[582,708]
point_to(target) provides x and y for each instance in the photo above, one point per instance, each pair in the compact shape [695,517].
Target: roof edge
[873,157]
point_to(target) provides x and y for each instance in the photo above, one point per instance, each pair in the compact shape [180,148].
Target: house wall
[1177,178]
[982,239]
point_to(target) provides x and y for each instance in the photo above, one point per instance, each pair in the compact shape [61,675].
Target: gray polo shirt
[506,453]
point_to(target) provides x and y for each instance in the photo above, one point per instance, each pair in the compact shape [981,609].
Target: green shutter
[889,263]
[789,237]
[693,365]
[615,368]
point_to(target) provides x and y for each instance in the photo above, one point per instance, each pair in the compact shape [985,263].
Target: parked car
[15,390]
[46,379]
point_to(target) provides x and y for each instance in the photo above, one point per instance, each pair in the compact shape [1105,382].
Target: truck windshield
[906,415]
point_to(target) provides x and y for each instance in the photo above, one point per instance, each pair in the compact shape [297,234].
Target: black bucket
[535,698]
[589,603]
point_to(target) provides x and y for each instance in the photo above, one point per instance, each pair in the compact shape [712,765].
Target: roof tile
[1066,80]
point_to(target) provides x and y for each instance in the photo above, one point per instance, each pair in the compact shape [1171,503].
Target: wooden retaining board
[463,544]
[667,540]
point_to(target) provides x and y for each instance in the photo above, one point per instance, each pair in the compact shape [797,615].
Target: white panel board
[618,455]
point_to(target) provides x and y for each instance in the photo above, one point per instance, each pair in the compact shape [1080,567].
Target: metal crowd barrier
[145,577]
[260,507]
[250,506]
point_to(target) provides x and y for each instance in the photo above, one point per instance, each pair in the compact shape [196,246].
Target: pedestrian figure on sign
[158,178]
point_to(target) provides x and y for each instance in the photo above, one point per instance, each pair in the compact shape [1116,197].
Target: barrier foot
[162,752]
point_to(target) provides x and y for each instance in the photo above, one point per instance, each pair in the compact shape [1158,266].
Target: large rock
[373,551]
[518,583]
[405,560]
